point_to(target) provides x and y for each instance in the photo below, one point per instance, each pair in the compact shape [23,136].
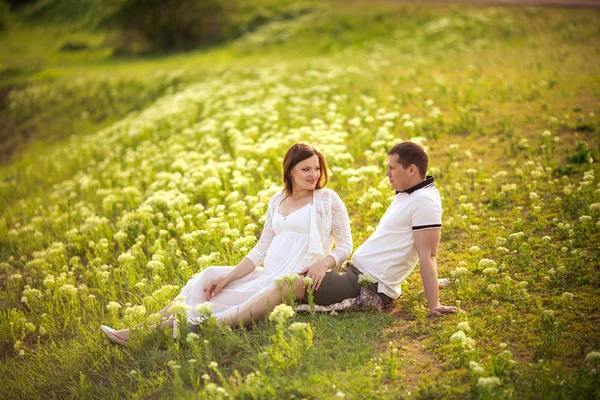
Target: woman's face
[306,174]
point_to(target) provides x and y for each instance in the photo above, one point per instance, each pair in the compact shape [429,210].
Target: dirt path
[517,3]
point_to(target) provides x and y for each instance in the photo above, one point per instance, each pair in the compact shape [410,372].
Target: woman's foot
[120,337]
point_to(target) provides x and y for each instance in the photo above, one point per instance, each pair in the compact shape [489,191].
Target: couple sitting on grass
[301,224]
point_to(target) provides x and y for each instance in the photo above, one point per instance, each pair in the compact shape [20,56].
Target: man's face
[400,177]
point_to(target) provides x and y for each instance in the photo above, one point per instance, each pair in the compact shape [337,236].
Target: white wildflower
[488,383]
[173,365]
[154,319]
[68,289]
[298,327]
[459,272]
[138,311]
[192,337]
[281,313]
[567,296]
[155,265]
[593,357]
[486,263]
[204,309]
[490,271]
[376,205]
[113,306]
[516,235]
[476,368]
[464,326]
[458,336]
[290,279]
[179,309]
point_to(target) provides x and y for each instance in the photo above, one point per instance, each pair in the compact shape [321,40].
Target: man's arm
[426,243]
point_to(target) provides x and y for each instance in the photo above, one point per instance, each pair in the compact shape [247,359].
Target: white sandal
[113,336]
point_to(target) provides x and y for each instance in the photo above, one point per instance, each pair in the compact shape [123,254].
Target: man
[408,232]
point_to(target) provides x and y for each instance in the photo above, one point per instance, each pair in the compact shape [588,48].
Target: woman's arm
[258,253]
[254,258]
[343,243]
[242,269]
[340,229]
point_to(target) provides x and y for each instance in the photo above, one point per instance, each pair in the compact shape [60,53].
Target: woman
[297,237]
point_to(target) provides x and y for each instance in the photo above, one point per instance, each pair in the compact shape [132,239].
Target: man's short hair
[411,153]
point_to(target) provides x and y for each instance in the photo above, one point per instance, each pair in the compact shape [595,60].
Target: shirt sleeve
[258,253]
[341,230]
[426,213]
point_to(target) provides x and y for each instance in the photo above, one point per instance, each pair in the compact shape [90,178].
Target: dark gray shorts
[342,285]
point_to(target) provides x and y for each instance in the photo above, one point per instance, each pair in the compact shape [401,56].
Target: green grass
[118,157]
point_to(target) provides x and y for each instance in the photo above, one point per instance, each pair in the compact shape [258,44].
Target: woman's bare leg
[255,311]
[260,307]
[125,334]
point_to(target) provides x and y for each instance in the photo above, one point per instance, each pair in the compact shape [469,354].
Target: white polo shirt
[389,254]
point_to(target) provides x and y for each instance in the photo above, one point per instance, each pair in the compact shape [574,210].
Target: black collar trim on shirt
[428,182]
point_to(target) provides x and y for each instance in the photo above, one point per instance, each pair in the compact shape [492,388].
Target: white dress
[284,255]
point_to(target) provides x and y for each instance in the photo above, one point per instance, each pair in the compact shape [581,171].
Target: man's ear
[413,169]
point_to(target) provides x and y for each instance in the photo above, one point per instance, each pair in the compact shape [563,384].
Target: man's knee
[336,287]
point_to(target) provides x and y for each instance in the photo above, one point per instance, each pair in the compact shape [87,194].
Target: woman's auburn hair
[297,153]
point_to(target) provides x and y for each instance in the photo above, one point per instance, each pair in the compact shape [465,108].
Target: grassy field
[122,178]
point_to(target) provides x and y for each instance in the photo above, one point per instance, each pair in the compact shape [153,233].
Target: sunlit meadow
[105,223]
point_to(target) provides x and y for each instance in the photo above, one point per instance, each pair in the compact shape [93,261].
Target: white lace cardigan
[328,221]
